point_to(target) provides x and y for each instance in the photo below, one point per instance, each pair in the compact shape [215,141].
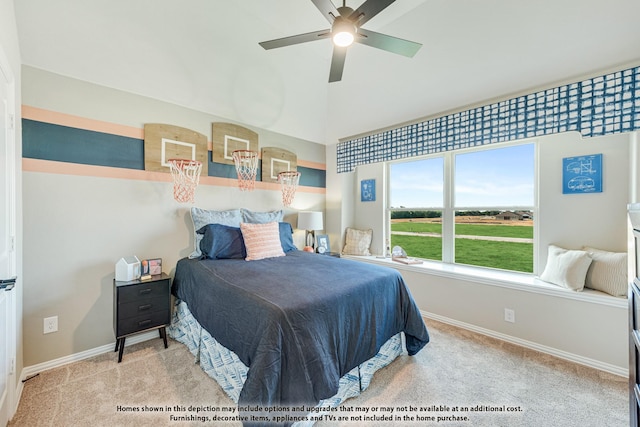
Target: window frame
[449,208]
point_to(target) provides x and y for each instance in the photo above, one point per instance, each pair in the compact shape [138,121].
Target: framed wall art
[368,190]
[582,174]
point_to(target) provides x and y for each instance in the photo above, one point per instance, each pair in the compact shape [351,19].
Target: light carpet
[458,374]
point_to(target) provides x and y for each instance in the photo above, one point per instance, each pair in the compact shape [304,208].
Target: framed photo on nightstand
[151,267]
[323,244]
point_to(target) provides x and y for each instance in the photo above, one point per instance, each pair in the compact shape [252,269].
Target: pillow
[222,242]
[357,242]
[261,217]
[286,237]
[608,272]
[261,240]
[202,217]
[566,268]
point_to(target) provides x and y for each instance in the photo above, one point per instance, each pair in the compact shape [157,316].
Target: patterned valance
[599,106]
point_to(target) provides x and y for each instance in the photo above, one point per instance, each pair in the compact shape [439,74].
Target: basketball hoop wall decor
[246,162]
[186,176]
[289,182]
[276,160]
[163,142]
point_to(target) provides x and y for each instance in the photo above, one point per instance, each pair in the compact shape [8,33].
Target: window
[416,204]
[472,207]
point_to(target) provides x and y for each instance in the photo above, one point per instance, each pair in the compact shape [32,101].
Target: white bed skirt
[225,367]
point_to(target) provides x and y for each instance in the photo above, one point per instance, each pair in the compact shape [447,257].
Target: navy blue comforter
[299,322]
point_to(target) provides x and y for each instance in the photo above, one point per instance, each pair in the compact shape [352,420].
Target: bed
[295,330]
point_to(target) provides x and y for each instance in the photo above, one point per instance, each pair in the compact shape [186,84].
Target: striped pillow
[608,272]
[261,240]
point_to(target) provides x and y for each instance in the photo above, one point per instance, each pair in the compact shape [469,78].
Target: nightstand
[140,306]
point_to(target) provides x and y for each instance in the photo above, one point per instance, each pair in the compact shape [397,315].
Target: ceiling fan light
[343,39]
[343,32]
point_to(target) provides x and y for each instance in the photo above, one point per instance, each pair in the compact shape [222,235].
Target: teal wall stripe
[221,170]
[312,177]
[47,141]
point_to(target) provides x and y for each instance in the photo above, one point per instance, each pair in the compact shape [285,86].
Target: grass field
[505,255]
[500,230]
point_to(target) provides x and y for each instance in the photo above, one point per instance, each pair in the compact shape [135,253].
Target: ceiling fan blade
[388,43]
[327,8]
[368,10]
[300,38]
[337,63]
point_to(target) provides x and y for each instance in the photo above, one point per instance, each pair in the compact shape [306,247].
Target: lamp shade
[308,220]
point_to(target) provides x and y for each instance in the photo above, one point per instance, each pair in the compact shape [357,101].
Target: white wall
[576,220]
[77,226]
[585,329]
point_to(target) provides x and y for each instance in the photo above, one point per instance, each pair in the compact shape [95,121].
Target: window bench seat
[508,279]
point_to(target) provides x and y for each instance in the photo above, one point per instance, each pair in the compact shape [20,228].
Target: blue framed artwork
[368,190]
[582,174]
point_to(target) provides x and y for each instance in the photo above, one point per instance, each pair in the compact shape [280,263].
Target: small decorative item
[399,255]
[368,190]
[127,269]
[582,174]
[151,267]
[323,244]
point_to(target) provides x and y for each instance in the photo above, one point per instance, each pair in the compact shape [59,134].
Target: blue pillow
[222,242]
[286,237]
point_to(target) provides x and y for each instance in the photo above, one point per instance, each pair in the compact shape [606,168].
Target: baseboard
[28,371]
[592,363]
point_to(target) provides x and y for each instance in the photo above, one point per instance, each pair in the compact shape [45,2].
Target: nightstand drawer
[143,306]
[143,291]
[142,322]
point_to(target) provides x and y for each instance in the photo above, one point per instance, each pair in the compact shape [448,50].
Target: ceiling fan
[346,28]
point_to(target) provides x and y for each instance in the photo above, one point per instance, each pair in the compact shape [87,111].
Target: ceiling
[204,54]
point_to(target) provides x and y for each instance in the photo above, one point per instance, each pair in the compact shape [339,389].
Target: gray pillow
[261,217]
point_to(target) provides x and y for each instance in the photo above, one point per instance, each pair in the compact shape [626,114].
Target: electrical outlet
[509,315]
[50,324]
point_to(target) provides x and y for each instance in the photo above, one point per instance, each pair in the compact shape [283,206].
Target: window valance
[601,105]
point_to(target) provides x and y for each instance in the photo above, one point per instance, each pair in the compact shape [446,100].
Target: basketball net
[289,182]
[246,166]
[186,175]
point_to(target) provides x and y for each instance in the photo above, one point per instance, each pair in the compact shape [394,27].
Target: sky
[497,177]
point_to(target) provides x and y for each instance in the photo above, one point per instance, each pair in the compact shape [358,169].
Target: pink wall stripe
[48,166]
[47,116]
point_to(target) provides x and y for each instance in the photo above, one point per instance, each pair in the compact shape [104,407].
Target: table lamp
[310,221]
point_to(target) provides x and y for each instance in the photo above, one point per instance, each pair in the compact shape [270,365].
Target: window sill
[507,279]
